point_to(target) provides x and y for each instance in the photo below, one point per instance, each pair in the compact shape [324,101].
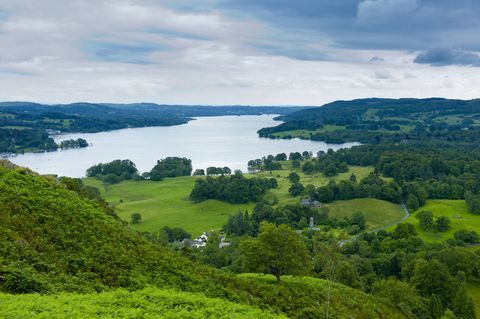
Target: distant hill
[373,120]
[25,126]
[55,240]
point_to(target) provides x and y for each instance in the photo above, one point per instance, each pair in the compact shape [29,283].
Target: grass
[166,203]
[474,292]
[317,179]
[305,134]
[377,212]
[456,210]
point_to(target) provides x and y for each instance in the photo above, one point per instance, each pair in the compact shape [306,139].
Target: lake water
[208,141]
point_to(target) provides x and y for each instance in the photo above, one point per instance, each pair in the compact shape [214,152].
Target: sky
[231,52]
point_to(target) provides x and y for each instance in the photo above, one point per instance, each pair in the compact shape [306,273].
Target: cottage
[307,202]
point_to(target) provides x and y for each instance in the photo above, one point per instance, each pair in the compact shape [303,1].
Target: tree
[432,277]
[466,236]
[212,254]
[296,164]
[199,172]
[281,157]
[353,178]
[425,219]
[136,218]
[324,194]
[294,177]
[296,189]
[295,156]
[358,219]
[473,203]
[404,230]
[412,202]
[308,168]
[270,165]
[277,250]
[307,154]
[226,170]
[171,167]
[212,171]
[442,224]
[401,294]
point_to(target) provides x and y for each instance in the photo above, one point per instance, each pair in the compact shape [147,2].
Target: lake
[208,141]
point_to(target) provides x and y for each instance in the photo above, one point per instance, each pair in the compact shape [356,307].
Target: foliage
[53,240]
[136,218]
[296,189]
[114,172]
[232,189]
[218,171]
[146,303]
[78,143]
[171,167]
[175,233]
[277,250]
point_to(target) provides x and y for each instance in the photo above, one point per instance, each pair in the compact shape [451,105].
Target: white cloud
[64,51]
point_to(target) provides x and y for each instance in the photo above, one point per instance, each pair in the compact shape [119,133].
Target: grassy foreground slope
[54,241]
[146,303]
[456,210]
[167,203]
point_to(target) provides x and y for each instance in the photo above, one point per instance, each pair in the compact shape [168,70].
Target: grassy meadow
[166,203]
[377,212]
[456,210]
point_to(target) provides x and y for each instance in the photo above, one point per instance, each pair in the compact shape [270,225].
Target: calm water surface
[208,141]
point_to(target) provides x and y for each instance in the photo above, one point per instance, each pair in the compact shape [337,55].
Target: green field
[377,212]
[306,133]
[474,292]
[166,203]
[456,210]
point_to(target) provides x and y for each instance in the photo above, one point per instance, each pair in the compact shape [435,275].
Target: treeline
[233,189]
[295,216]
[119,170]
[212,171]
[272,162]
[16,140]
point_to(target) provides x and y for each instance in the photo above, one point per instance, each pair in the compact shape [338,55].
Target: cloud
[377,59]
[372,24]
[448,56]
[234,52]
[117,52]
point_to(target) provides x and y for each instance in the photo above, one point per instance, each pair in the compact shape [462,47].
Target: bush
[136,218]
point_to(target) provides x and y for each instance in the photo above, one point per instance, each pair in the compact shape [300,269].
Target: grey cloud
[445,56]
[377,59]
[371,24]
